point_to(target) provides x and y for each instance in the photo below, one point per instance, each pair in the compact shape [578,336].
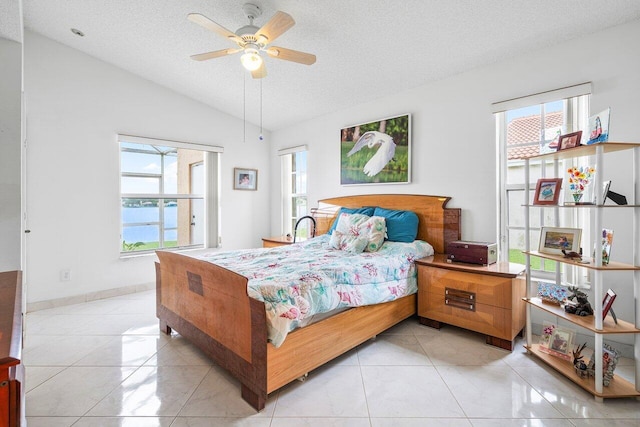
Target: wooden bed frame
[197,299]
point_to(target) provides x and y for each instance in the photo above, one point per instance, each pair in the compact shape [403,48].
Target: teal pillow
[364,211]
[402,226]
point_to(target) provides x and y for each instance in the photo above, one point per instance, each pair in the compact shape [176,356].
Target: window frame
[210,196]
[288,175]
[575,111]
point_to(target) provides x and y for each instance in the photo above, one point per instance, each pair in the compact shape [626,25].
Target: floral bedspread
[301,280]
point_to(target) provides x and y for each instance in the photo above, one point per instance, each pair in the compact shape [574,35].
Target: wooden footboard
[209,305]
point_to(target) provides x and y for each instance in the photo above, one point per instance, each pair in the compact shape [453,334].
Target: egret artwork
[376,152]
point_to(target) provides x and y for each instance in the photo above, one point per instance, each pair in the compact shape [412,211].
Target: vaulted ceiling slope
[366,49]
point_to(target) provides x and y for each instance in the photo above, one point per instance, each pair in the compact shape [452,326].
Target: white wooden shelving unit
[618,387]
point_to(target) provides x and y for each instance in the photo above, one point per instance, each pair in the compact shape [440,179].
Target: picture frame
[610,358]
[245,179]
[562,341]
[377,152]
[599,127]
[607,302]
[605,190]
[569,140]
[556,340]
[554,239]
[547,191]
[607,243]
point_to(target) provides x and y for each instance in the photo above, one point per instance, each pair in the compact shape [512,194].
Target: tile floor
[104,363]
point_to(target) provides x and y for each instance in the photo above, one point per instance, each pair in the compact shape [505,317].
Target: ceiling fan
[252,40]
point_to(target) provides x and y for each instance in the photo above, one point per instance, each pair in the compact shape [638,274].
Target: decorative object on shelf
[617,198]
[609,361]
[607,302]
[570,140]
[571,255]
[245,179]
[556,340]
[554,239]
[605,190]
[607,242]
[582,306]
[377,152]
[579,179]
[547,191]
[551,293]
[578,362]
[599,127]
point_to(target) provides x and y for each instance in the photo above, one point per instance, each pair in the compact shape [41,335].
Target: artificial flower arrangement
[579,179]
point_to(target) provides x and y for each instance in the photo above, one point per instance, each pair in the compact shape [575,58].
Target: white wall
[76,105]
[453,134]
[10,170]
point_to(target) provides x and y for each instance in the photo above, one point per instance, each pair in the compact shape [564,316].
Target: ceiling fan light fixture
[251,60]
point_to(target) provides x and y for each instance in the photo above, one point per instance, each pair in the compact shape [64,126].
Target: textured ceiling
[10,19]
[365,49]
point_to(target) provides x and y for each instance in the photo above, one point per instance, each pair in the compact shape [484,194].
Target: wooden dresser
[485,299]
[11,370]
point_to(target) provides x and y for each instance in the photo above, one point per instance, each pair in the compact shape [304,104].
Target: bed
[196,298]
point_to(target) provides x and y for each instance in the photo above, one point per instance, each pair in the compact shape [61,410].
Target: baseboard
[92,296]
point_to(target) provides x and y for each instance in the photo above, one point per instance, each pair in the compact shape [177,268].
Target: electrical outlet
[65,275]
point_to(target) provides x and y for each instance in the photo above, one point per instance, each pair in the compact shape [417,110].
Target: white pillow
[357,233]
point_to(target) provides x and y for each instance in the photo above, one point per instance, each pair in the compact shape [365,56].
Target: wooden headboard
[437,225]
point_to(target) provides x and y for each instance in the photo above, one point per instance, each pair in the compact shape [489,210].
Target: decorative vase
[577,197]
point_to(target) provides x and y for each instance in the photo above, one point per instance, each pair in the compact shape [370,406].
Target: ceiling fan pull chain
[244,108]
[261,137]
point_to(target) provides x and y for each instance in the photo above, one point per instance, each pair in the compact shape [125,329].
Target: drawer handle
[460,299]
[460,304]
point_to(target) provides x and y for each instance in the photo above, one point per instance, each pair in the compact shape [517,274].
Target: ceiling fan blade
[213,26]
[214,54]
[277,25]
[291,55]
[260,72]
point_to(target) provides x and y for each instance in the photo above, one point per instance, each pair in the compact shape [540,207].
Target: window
[527,127]
[165,201]
[294,191]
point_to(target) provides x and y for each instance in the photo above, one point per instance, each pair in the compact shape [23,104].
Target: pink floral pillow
[357,233]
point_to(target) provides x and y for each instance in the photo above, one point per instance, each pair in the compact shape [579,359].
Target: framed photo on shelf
[553,240]
[599,127]
[556,340]
[609,361]
[245,179]
[605,190]
[547,191]
[569,140]
[607,243]
[609,297]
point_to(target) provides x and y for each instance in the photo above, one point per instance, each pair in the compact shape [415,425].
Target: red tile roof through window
[527,129]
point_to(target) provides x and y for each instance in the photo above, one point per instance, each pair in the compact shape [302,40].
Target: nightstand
[485,299]
[272,242]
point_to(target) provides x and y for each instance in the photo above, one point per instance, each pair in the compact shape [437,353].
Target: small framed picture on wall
[245,179]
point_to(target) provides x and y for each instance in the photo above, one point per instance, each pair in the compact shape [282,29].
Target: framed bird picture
[376,152]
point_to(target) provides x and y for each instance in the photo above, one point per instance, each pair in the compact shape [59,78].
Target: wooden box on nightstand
[485,299]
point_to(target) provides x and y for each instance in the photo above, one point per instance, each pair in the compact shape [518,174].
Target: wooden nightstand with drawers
[272,242]
[485,299]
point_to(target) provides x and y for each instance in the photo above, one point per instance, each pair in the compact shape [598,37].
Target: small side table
[485,299]
[272,242]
